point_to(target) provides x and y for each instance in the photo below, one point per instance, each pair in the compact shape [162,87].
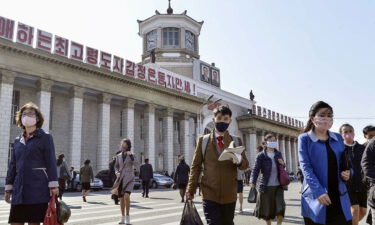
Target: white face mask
[28,121]
[272,144]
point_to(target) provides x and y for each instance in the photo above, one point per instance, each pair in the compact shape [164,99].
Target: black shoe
[143,195]
[182,200]
[84,198]
[146,196]
[116,202]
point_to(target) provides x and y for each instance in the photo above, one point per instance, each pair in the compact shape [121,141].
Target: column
[75,120]
[44,101]
[183,38]
[192,138]
[128,119]
[282,146]
[252,146]
[292,155]
[6,95]
[186,144]
[288,154]
[295,146]
[159,34]
[168,139]
[102,156]
[150,134]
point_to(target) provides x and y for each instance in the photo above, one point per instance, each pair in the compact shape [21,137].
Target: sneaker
[122,220]
[127,219]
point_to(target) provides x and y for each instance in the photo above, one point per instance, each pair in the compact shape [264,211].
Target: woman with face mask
[325,198]
[32,174]
[124,168]
[270,202]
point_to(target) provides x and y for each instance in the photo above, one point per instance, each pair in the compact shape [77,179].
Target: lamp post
[199,114]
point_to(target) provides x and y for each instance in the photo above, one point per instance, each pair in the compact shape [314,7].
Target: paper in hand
[232,153]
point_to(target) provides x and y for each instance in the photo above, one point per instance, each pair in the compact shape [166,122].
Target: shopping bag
[51,214]
[63,212]
[252,198]
[190,215]
[283,176]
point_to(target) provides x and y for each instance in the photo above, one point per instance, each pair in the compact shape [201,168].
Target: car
[96,185]
[104,176]
[137,183]
[161,180]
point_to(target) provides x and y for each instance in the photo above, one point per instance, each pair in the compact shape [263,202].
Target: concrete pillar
[150,134]
[186,138]
[251,141]
[182,44]
[44,101]
[282,147]
[128,119]
[168,139]
[296,162]
[102,156]
[75,121]
[192,138]
[288,151]
[6,95]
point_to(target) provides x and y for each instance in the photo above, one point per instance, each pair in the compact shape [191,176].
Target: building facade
[92,99]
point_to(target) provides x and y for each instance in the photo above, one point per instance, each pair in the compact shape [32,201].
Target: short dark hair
[128,143]
[345,125]
[72,167]
[146,160]
[269,136]
[223,110]
[367,129]
[87,162]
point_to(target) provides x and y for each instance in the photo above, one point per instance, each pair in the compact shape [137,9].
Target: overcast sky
[292,53]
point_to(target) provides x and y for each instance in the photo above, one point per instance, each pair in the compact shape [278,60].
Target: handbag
[253,193]
[283,176]
[190,215]
[63,212]
[51,214]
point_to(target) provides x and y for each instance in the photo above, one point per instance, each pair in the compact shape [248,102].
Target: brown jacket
[219,181]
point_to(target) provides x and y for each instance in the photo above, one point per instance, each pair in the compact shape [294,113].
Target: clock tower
[172,40]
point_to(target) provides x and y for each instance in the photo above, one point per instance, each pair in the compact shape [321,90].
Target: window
[142,126]
[171,37]
[177,130]
[190,41]
[161,133]
[151,39]
[121,123]
[15,105]
[50,113]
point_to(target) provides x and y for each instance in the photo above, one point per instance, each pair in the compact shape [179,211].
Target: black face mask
[221,126]
[125,149]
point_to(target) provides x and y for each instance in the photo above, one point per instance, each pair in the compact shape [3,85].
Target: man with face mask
[356,186]
[218,183]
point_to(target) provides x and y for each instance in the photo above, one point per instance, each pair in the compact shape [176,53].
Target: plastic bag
[51,214]
[63,212]
[253,193]
[190,215]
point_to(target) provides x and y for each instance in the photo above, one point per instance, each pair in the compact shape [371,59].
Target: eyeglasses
[28,114]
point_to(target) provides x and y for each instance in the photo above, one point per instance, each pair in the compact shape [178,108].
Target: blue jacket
[263,165]
[32,169]
[314,166]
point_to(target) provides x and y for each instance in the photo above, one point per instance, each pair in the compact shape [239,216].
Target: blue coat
[32,169]
[263,165]
[314,165]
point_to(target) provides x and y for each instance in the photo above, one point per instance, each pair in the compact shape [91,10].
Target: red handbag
[51,214]
[283,176]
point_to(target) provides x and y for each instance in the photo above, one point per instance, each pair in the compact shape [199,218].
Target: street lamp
[199,113]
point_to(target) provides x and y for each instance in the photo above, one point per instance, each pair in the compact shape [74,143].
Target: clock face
[151,40]
[190,41]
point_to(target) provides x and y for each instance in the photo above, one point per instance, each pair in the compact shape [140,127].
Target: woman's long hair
[313,110]
[60,159]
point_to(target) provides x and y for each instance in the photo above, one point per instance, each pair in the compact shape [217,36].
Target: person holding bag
[270,200]
[124,184]
[325,198]
[32,176]
[63,174]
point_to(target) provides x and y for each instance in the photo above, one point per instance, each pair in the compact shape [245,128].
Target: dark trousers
[219,214]
[145,187]
[338,219]
[61,187]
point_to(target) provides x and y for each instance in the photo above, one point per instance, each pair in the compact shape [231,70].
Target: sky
[291,53]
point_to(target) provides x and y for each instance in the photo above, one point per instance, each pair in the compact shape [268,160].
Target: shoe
[84,198]
[182,200]
[146,196]
[116,202]
[240,211]
[127,219]
[122,220]
[143,194]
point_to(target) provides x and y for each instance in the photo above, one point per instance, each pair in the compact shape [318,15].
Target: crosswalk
[164,209]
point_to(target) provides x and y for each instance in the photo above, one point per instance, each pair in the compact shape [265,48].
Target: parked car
[161,180]
[104,176]
[137,183]
[96,185]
